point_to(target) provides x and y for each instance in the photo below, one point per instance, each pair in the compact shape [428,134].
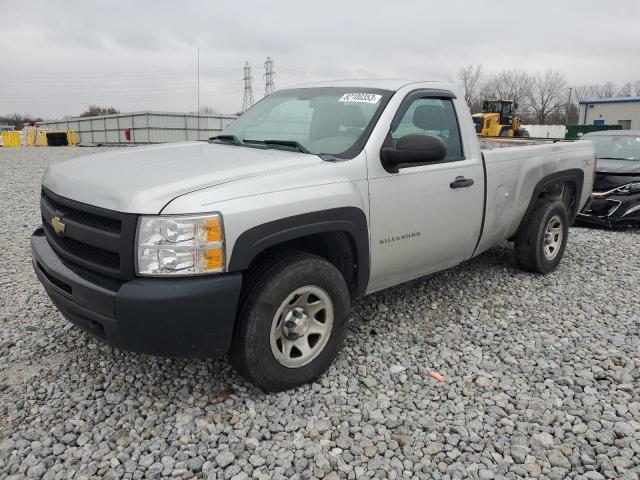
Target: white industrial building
[623,111]
[141,127]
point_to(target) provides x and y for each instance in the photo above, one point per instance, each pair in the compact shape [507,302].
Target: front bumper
[611,211]
[177,317]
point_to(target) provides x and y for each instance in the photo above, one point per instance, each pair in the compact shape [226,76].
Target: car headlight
[180,245]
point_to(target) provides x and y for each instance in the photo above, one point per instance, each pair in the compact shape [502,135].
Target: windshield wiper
[616,158]
[289,143]
[227,139]
[285,143]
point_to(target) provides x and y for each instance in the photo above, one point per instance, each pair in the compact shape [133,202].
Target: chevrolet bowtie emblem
[57,225]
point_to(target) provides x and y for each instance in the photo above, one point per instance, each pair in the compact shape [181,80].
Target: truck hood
[145,179]
[619,167]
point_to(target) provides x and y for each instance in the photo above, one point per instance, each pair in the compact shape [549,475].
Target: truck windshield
[323,120]
[616,147]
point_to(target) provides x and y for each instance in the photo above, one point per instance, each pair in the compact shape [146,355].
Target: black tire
[522,133]
[504,132]
[530,240]
[270,285]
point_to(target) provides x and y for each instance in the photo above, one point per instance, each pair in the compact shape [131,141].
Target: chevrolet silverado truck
[253,244]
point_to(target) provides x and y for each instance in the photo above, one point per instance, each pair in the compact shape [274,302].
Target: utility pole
[198,110]
[269,85]
[248,92]
[566,111]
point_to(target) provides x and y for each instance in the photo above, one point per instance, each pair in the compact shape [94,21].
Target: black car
[615,201]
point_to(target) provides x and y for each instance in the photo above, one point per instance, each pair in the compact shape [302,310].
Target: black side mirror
[411,150]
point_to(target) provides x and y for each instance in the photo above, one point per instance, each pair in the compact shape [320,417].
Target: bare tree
[598,90]
[18,121]
[572,115]
[546,95]
[208,110]
[625,90]
[583,91]
[605,90]
[509,85]
[629,89]
[95,110]
[541,98]
[469,78]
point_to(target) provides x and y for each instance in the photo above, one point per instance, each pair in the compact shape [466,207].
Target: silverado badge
[57,225]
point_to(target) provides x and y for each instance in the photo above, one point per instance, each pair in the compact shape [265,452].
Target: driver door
[421,220]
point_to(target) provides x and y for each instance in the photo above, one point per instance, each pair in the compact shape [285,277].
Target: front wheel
[541,241]
[292,322]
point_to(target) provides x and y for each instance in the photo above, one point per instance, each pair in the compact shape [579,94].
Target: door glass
[432,116]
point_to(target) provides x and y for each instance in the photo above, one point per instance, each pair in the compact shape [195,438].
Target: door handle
[461,182]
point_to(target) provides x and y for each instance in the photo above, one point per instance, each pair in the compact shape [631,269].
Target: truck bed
[491,143]
[511,176]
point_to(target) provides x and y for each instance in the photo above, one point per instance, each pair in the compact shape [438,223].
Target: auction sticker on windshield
[360,97]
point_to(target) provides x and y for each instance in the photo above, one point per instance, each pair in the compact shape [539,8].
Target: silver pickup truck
[254,243]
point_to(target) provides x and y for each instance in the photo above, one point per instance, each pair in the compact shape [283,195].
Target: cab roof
[384,84]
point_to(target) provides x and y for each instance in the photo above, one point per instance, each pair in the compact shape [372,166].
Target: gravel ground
[541,377]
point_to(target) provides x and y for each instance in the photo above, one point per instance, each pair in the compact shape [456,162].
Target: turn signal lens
[213,227]
[214,259]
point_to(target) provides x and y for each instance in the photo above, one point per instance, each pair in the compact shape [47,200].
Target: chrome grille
[96,239]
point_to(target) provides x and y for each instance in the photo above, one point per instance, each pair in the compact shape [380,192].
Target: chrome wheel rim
[553,238]
[301,326]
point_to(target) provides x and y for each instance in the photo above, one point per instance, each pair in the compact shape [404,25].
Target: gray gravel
[541,377]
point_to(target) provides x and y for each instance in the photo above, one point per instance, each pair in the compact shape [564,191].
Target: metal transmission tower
[248,92]
[269,75]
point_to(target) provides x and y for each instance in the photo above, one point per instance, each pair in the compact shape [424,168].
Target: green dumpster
[576,131]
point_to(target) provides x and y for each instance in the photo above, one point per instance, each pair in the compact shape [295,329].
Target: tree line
[17,120]
[543,98]
[96,110]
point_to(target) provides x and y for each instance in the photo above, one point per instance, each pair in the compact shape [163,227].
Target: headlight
[180,245]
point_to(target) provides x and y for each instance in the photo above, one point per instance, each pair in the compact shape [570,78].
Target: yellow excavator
[498,119]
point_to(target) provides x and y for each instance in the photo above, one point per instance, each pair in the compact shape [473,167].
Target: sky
[57,57]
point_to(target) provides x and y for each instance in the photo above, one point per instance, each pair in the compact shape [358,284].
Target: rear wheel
[521,132]
[504,132]
[292,322]
[541,241]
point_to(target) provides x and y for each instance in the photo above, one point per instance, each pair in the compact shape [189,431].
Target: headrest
[351,116]
[429,117]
